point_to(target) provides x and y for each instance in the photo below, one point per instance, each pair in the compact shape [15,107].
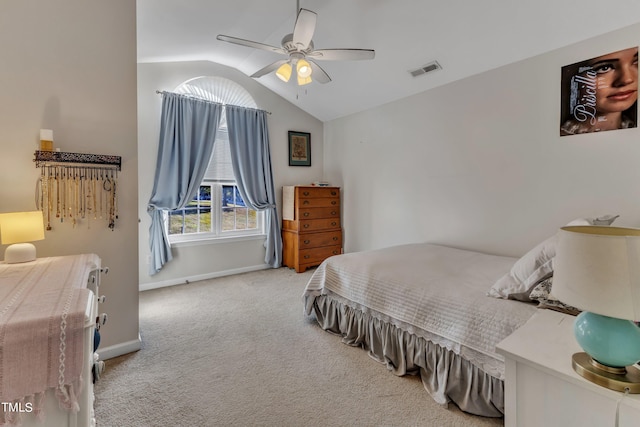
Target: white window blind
[220,167]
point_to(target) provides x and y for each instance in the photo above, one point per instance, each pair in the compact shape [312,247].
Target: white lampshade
[16,230]
[597,269]
[284,72]
[303,68]
[304,80]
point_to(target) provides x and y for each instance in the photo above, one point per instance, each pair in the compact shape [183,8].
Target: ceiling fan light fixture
[297,46]
[304,80]
[284,72]
[303,68]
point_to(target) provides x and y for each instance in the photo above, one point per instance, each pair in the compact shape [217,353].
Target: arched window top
[225,92]
[217,89]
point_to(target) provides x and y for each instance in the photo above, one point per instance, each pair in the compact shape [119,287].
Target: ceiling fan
[301,53]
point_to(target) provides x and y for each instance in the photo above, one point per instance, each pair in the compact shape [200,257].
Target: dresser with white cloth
[48,318]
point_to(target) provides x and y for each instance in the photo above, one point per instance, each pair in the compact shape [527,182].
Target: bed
[425,309]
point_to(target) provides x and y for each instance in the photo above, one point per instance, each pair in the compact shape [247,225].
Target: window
[217,210]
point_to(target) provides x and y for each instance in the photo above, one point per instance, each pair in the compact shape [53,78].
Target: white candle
[46,135]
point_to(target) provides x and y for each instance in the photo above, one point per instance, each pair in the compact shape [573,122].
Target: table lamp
[17,229]
[597,269]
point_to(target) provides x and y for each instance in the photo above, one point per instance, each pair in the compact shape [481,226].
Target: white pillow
[525,274]
[536,265]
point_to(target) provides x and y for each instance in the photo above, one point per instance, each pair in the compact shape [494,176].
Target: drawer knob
[334,223]
[305,226]
[306,242]
[306,193]
[333,193]
[334,213]
[306,202]
[333,202]
[335,239]
[335,252]
[102,319]
[307,256]
[305,214]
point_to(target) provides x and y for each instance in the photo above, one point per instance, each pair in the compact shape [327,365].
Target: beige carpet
[238,351]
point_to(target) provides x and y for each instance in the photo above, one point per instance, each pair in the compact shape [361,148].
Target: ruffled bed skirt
[445,375]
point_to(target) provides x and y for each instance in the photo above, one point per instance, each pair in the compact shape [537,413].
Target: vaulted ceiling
[465,36]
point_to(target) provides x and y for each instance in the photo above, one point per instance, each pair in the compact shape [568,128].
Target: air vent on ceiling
[432,66]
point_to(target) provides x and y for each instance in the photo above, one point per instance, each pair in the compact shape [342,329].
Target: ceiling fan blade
[342,54]
[249,43]
[269,68]
[318,74]
[304,28]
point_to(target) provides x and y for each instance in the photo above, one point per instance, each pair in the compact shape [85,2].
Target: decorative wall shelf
[76,187]
[42,157]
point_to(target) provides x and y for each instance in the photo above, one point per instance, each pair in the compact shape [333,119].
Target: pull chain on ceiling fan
[298,46]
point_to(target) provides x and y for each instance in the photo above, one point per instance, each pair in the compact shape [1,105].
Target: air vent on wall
[432,66]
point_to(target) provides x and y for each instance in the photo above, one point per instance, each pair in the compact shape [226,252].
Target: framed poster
[600,94]
[299,148]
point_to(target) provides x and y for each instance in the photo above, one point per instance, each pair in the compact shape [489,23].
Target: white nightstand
[541,387]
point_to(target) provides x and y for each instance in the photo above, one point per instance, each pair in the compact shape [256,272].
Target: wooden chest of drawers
[311,229]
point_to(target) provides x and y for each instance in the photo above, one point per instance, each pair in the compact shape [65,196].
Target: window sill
[214,240]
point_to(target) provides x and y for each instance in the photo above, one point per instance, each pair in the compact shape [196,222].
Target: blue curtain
[251,160]
[187,133]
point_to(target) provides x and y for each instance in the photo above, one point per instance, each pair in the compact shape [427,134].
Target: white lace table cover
[42,318]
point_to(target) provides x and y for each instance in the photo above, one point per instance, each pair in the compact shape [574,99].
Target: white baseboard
[185,280]
[119,349]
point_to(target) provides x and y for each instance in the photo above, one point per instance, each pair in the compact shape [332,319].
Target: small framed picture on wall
[299,148]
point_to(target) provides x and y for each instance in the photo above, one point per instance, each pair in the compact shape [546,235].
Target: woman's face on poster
[617,80]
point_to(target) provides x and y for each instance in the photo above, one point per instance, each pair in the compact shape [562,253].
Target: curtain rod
[159,92]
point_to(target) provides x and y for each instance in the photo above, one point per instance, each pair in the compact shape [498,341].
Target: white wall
[211,260]
[479,163]
[70,66]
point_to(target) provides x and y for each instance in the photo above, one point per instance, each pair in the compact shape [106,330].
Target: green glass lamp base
[608,340]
